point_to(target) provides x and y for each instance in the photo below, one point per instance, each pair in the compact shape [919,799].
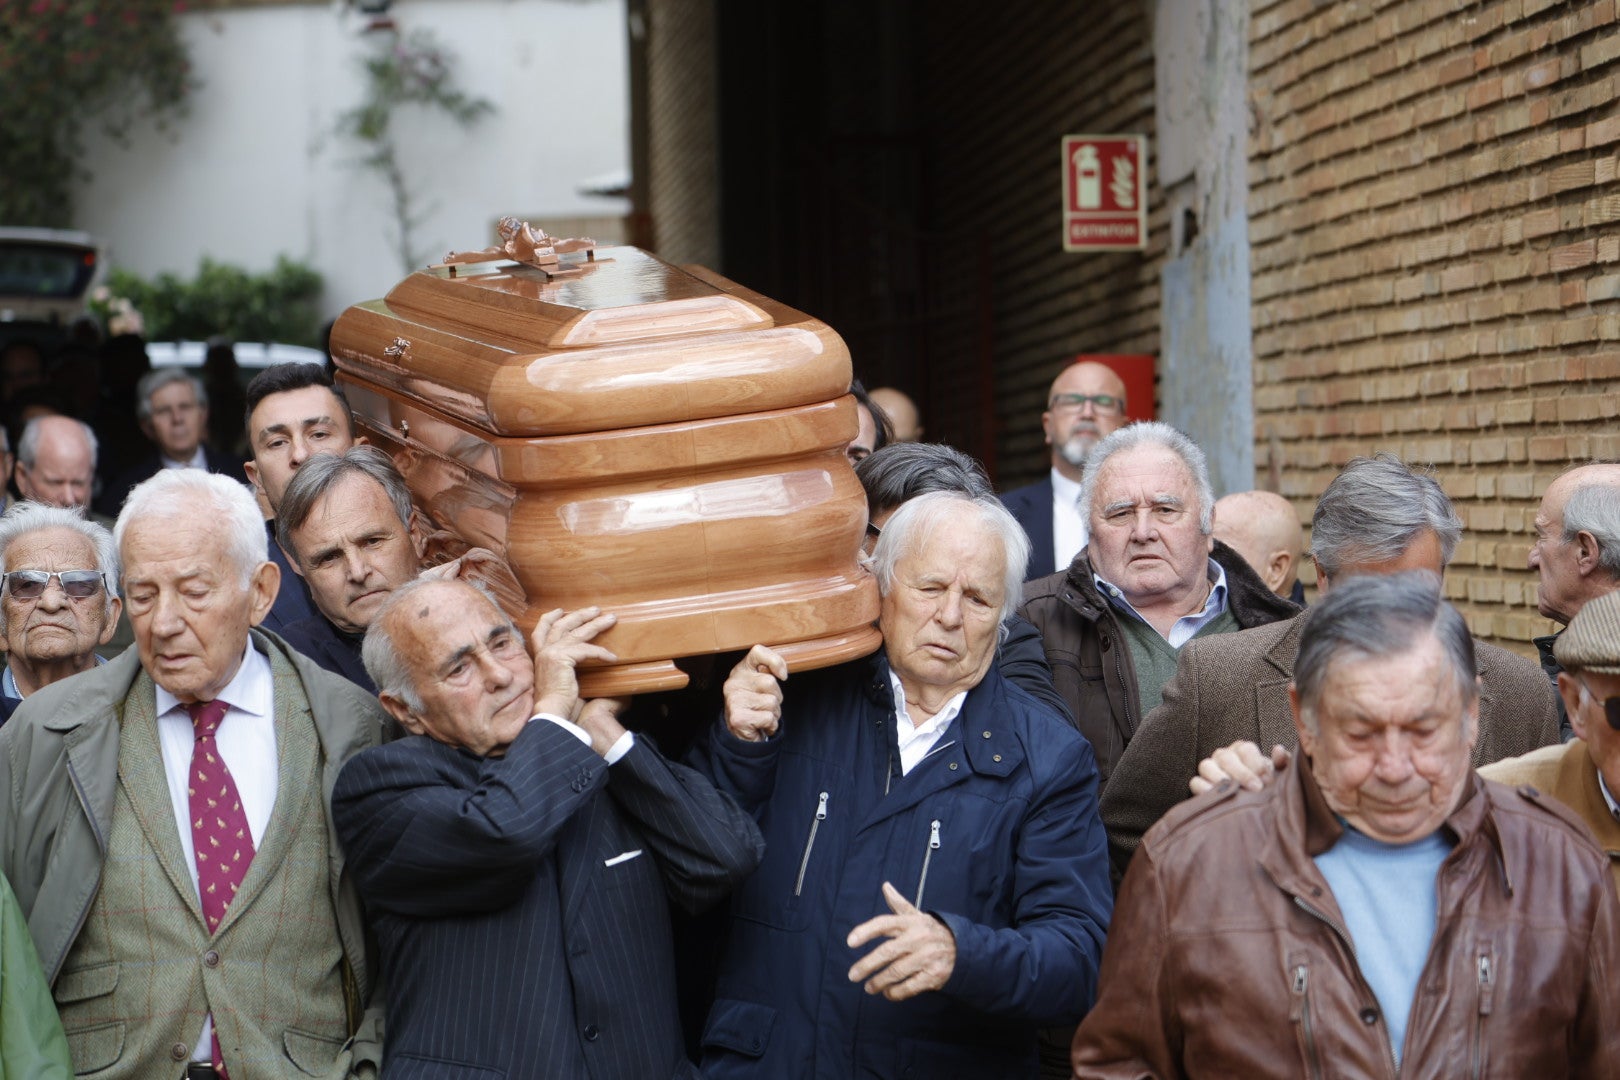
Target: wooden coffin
[652,439]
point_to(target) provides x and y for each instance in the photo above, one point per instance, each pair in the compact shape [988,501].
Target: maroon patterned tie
[219,827]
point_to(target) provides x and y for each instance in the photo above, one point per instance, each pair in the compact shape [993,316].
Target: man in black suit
[172,407]
[1085,405]
[517,865]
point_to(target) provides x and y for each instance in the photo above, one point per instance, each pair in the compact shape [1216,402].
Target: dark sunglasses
[31,584]
[1611,706]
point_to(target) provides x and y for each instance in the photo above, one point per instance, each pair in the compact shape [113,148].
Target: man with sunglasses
[57,599]
[1085,405]
[1583,774]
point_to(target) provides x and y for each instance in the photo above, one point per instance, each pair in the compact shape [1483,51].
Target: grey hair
[382,660]
[899,472]
[225,505]
[28,445]
[323,472]
[917,519]
[1376,616]
[26,517]
[1153,433]
[1373,511]
[157,379]
[1594,508]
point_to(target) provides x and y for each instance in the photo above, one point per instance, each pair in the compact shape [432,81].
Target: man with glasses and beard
[58,600]
[1085,405]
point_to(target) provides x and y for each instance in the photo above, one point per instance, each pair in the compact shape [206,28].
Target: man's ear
[396,707]
[115,607]
[1321,577]
[262,589]
[418,530]
[1570,691]
[1277,568]
[1588,555]
[251,471]
[1307,738]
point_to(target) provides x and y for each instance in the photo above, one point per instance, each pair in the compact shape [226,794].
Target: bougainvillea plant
[68,63]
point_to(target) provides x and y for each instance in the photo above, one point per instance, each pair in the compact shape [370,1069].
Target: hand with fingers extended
[918,956]
[562,641]
[1243,764]
[753,694]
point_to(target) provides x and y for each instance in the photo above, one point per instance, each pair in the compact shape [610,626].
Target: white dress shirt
[246,738]
[199,460]
[1070,530]
[917,741]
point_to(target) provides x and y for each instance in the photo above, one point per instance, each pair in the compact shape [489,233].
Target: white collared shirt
[1603,786]
[1186,626]
[199,460]
[246,738]
[917,740]
[1070,530]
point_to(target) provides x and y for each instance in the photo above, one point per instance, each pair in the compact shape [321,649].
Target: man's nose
[1393,763]
[949,612]
[53,598]
[496,674]
[356,565]
[1142,527]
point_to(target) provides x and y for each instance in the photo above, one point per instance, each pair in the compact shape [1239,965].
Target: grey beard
[1076,450]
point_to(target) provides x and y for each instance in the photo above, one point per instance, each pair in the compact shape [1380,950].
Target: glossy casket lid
[629,341]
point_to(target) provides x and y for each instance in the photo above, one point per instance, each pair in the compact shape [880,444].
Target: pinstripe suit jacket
[520,902]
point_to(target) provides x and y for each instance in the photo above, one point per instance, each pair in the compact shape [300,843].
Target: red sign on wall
[1104,192]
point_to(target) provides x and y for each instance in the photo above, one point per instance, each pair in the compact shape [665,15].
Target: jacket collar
[1305,826]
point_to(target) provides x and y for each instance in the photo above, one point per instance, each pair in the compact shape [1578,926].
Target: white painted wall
[255,169]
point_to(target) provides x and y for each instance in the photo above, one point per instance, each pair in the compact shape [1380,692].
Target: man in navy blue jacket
[517,865]
[935,884]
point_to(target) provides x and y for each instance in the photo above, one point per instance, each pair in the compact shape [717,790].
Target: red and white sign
[1104,192]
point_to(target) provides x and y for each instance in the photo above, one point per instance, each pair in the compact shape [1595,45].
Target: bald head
[1576,554]
[1075,420]
[56,461]
[901,411]
[1262,527]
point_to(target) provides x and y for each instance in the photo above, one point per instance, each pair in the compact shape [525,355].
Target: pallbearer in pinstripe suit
[519,850]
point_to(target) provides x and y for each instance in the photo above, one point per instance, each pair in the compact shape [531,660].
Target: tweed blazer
[58,783]
[1235,686]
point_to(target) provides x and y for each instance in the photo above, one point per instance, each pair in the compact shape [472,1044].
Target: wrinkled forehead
[1145,474]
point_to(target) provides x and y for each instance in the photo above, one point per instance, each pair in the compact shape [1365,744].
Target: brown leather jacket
[1090,661]
[1227,955]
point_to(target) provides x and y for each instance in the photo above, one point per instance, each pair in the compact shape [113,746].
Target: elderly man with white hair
[164,819]
[935,884]
[58,597]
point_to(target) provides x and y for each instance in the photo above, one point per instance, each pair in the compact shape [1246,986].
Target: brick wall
[1003,83]
[1436,258]
[683,182]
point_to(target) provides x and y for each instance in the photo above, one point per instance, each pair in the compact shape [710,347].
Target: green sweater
[1154,659]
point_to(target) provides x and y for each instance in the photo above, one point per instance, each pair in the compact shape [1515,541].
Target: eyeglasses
[1611,705]
[873,531]
[1105,404]
[31,584]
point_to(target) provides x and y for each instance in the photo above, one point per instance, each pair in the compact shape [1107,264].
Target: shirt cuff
[620,747]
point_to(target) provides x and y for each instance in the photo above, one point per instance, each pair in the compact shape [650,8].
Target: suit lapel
[141,774]
[1273,715]
[578,863]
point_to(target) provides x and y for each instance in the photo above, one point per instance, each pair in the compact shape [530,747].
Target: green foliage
[277,306]
[410,71]
[62,61]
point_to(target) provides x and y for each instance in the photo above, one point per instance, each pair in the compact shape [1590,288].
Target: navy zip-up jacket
[996,833]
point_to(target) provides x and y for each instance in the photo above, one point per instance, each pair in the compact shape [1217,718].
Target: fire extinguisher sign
[1104,192]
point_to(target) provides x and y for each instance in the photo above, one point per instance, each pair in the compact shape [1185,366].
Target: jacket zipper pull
[810,842]
[928,857]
